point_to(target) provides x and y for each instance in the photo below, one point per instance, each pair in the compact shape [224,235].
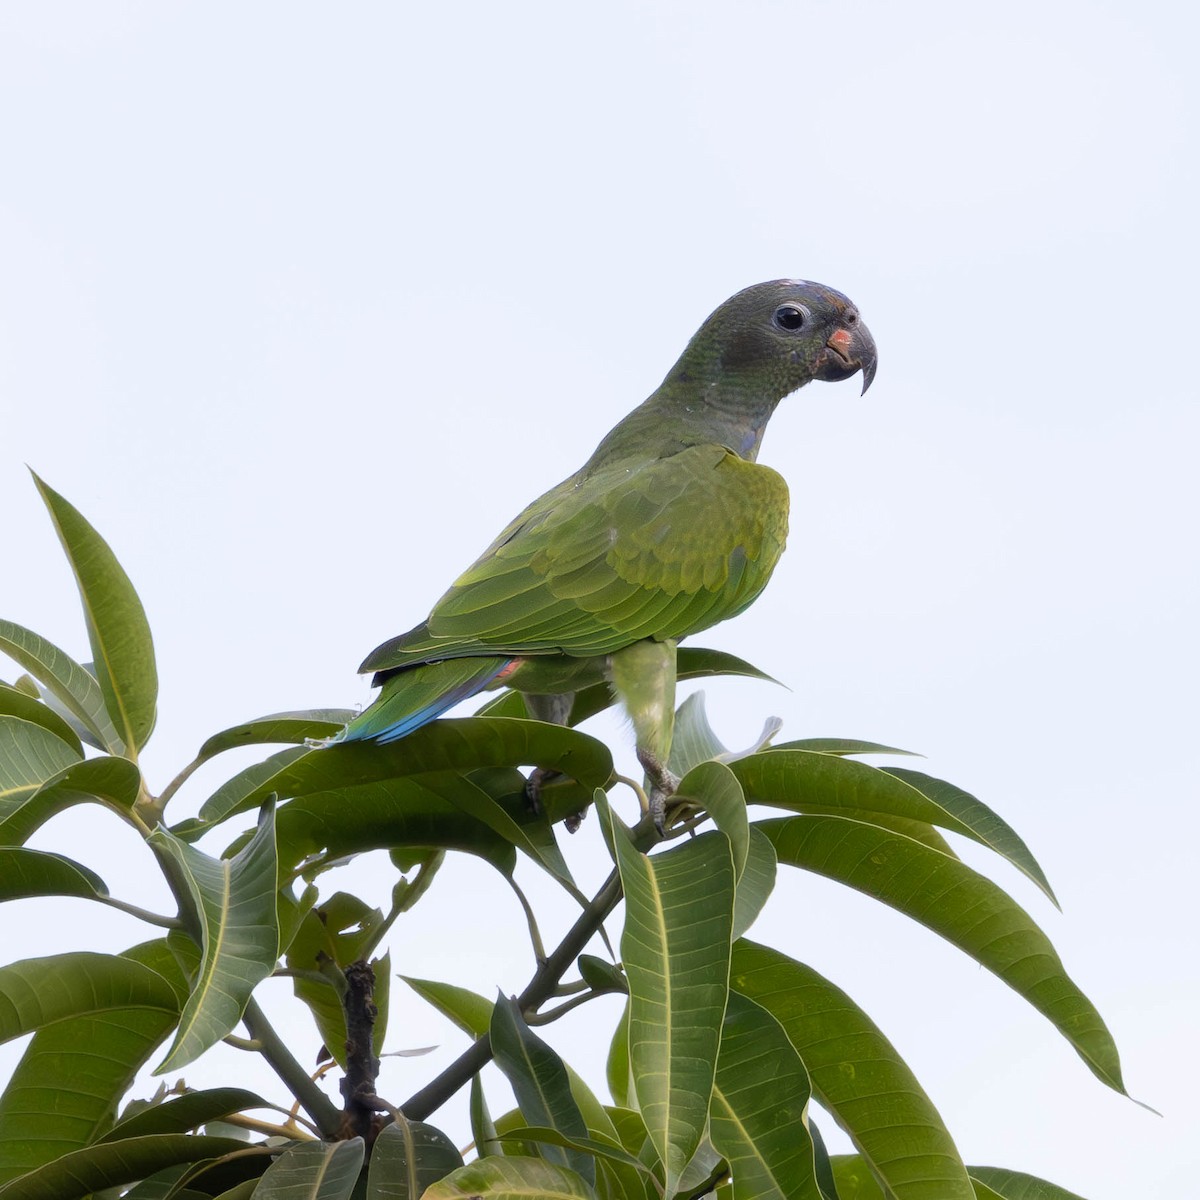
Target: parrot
[671,526]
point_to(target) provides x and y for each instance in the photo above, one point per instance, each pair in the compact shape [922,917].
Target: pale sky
[299,303]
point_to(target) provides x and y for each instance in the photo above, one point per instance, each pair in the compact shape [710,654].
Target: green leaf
[460,744]
[802,781]
[589,1147]
[616,1068]
[675,948]
[408,1157]
[185,1113]
[510,1178]
[325,1004]
[856,1074]
[313,1171]
[58,1100]
[1016,1185]
[233,903]
[379,816]
[539,1082]
[468,1010]
[16,703]
[693,741]
[29,755]
[82,1172]
[38,873]
[601,975]
[75,687]
[295,728]
[114,782]
[756,884]
[961,905]
[483,1128]
[841,746]
[118,631]
[715,788]
[759,1108]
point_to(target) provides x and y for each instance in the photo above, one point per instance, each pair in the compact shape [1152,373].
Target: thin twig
[552,1014]
[141,913]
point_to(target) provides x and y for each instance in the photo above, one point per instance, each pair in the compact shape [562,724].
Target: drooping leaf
[841,746]
[57,1099]
[74,686]
[693,741]
[113,782]
[122,649]
[759,1108]
[675,949]
[856,1074]
[29,755]
[510,1178]
[82,1172]
[461,744]
[1016,1185]
[294,728]
[539,1082]
[756,884]
[616,1067]
[16,703]
[313,1171]
[483,1128]
[715,788]
[802,781]
[408,1157]
[961,905]
[233,902]
[38,873]
[185,1113]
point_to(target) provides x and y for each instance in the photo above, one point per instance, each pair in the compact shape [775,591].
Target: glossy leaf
[756,884]
[675,949]
[856,1074]
[759,1108]
[601,975]
[37,873]
[16,703]
[510,1178]
[29,755]
[58,1100]
[802,781]
[325,1005]
[185,1113]
[616,1067]
[693,741]
[295,728]
[539,1082]
[115,782]
[313,1171]
[122,649]
[471,1012]
[463,744]
[409,1156]
[842,746]
[1016,1185]
[589,1147]
[483,1128]
[82,1172]
[233,902]
[73,685]
[964,907]
[714,787]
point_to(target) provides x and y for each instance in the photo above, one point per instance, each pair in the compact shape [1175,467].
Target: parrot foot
[538,778]
[663,785]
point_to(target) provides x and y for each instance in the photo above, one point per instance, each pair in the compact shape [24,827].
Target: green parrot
[671,526]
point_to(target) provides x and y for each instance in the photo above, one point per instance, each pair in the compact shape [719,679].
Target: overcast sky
[299,303]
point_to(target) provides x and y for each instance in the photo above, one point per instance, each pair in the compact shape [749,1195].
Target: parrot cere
[669,527]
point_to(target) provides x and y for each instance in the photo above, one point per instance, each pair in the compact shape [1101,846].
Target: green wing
[662,548]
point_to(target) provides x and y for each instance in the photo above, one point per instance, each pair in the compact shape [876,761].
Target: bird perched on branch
[669,527]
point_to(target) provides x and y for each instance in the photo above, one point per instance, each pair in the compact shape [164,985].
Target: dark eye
[851,317]
[789,317]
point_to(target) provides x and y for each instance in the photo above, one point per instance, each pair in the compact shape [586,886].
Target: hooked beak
[847,351]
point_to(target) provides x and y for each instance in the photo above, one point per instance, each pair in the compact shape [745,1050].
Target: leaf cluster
[729,1053]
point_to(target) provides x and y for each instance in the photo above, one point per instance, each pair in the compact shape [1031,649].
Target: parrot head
[775,337]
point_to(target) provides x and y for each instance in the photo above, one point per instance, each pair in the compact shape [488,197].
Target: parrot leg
[643,677]
[555,709]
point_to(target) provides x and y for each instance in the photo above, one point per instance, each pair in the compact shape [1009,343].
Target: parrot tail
[414,696]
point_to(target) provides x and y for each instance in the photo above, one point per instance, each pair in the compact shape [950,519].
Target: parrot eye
[789,317]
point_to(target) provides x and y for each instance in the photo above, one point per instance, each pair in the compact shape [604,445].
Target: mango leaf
[756,884]
[856,1075]
[122,649]
[964,907]
[379,816]
[114,782]
[842,746]
[29,755]
[617,1072]
[539,1082]
[185,1113]
[675,949]
[38,873]
[483,1128]
[759,1108]
[75,687]
[715,788]
[293,727]
[601,975]
[408,1157]
[586,1146]
[802,781]
[510,1178]
[16,703]
[233,902]
[471,1012]
[461,744]
[58,1100]
[325,1005]
[1016,1185]
[313,1171]
[82,1172]
[693,741]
